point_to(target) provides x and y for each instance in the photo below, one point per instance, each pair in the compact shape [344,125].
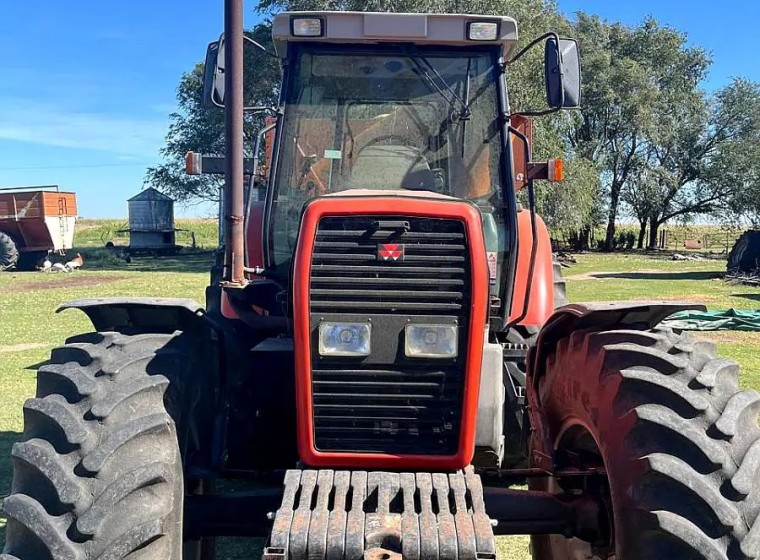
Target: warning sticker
[492,258]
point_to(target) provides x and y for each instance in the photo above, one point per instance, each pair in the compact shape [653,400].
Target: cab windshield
[394,120]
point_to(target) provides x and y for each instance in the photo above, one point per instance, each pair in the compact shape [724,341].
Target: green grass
[96,233]
[604,277]
[30,328]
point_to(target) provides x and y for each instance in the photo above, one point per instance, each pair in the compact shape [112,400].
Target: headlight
[306,27]
[344,339]
[430,341]
[483,31]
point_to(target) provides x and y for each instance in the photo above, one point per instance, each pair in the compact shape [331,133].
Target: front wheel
[98,473]
[662,415]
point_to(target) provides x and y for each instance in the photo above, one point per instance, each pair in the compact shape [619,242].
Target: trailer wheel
[8,252]
[98,473]
[31,260]
[680,443]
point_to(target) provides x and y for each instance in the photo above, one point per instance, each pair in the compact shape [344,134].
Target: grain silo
[151,222]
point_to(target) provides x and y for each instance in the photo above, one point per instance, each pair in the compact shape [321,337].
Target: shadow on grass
[187,260]
[751,297]
[38,365]
[7,439]
[693,275]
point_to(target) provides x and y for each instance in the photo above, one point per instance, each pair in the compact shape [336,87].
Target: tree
[619,94]
[195,127]
[570,205]
[733,171]
[674,147]
[700,157]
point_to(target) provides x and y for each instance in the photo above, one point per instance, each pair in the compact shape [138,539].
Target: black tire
[745,254]
[98,473]
[30,260]
[680,444]
[8,252]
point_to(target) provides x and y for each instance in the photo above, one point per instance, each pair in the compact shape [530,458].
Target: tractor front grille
[387,403]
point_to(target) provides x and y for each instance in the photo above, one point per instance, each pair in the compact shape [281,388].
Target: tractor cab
[408,119]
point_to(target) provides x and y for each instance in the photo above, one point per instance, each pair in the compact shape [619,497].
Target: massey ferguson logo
[390,252]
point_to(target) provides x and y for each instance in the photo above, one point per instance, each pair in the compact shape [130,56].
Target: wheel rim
[578,443]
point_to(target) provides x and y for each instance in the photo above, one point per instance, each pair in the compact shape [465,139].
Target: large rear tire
[680,443]
[98,473]
[8,252]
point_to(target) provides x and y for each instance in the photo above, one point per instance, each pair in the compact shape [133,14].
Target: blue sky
[86,86]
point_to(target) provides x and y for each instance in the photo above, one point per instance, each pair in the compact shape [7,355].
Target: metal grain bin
[151,220]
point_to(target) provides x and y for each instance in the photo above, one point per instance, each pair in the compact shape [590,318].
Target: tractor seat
[390,168]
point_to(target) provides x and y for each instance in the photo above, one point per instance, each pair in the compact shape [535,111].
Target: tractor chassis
[372,515]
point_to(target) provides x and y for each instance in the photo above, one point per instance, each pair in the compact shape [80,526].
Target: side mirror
[563,74]
[213,73]
[213,76]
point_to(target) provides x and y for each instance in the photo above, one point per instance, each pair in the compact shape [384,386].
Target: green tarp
[728,320]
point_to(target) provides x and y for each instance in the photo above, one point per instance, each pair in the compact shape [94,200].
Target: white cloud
[40,123]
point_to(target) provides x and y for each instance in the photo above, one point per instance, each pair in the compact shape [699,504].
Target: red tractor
[380,354]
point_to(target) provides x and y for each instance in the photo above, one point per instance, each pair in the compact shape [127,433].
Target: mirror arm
[535,113]
[262,109]
[259,46]
[533,43]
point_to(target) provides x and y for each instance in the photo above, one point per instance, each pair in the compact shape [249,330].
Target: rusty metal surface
[355,519]
[481,522]
[338,521]
[410,525]
[342,515]
[233,132]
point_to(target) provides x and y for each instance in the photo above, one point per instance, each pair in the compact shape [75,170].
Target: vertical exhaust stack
[233,127]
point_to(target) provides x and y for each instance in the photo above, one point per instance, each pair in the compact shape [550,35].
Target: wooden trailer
[33,222]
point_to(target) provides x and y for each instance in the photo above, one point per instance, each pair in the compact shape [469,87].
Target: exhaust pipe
[233,127]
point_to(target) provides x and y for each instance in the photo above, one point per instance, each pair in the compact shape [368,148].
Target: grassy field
[96,233]
[29,326]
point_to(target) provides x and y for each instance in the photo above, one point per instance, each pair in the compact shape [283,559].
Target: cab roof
[380,27]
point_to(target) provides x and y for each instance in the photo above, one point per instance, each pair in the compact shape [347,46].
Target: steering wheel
[404,142]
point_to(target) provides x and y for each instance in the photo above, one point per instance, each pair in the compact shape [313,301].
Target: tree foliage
[195,127]
[648,141]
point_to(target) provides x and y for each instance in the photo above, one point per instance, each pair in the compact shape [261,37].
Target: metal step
[359,515]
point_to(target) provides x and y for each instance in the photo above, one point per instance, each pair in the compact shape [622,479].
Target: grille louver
[347,275]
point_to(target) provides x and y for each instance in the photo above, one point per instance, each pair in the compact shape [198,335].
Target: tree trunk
[609,238]
[642,233]
[654,226]
[586,238]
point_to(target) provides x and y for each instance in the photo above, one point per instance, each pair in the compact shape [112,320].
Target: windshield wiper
[420,62]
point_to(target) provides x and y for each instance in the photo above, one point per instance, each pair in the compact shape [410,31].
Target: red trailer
[33,222]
